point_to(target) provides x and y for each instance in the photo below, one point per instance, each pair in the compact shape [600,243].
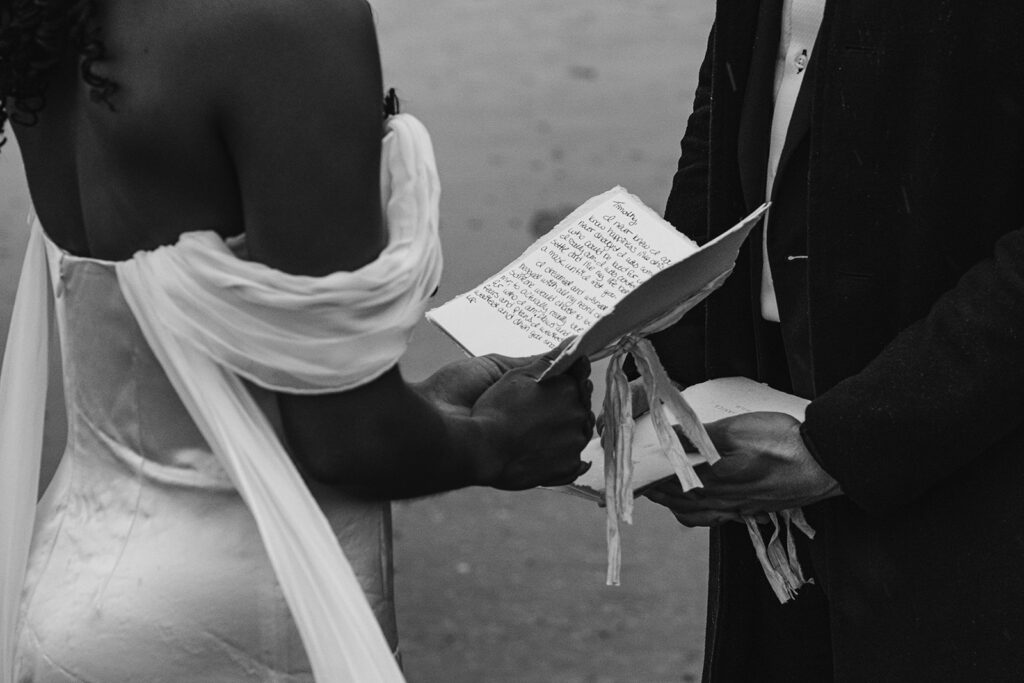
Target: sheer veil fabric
[22,408]
[213,319]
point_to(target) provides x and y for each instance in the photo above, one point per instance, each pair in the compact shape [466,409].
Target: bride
[237,253]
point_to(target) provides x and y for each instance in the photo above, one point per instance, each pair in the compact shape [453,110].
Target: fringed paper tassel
[661,392]
[780,563]
[618,436]
[618,465]
[781,566]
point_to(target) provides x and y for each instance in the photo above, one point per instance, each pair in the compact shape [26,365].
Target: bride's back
[108,180]
[259,116]
[146,564]
[211,126]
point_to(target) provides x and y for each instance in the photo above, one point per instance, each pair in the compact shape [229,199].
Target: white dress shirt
[801,20]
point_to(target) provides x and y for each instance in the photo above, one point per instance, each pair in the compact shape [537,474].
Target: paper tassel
[618,437]
[781,566]
[618,465]
[778,560]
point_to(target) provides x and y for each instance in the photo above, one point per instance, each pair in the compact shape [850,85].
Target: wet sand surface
[534,107]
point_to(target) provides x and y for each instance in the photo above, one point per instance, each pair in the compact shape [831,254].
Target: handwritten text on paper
[575,277]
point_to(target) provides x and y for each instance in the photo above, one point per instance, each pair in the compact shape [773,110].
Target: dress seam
[72,432]
[139,476]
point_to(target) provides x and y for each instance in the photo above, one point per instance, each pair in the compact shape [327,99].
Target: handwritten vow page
[567,280]
[609,267]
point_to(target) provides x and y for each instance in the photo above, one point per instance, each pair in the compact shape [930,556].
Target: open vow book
[611,273]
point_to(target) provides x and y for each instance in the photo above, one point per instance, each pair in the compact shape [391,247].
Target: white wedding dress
[177,541]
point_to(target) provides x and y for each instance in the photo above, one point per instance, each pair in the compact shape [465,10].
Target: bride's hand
[457,386]
[527,433]
[534,431]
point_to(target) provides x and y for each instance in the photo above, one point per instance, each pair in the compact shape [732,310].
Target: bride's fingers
[589,425]
[580,373]
[580,369]
[503,364]
[567,479]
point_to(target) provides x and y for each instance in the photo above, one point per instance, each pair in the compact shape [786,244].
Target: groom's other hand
[765,467]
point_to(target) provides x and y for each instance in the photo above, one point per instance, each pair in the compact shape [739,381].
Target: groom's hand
[765,467]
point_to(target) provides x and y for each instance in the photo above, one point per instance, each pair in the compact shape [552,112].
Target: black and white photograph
[511,341]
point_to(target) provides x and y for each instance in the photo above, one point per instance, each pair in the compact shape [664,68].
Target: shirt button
[801,61]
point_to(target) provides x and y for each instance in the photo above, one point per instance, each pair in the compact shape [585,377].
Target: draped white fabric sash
[212,319]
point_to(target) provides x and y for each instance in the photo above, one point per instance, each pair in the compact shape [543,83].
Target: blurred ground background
[534,107]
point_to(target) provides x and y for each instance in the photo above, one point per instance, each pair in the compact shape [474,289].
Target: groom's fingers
[690,502]
[696,519]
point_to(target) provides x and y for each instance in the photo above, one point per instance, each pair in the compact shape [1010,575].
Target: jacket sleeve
[681,347]
[946,390]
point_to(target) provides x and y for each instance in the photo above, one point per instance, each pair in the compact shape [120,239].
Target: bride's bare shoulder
[199,49]
[290,84]
[248,14]
[226,33]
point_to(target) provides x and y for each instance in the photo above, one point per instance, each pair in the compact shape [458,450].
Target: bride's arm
[300,114]
[390,440]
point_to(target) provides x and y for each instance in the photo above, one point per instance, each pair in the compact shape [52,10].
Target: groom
[888,287]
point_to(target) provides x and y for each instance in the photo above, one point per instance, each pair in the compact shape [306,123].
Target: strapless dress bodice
[145,558]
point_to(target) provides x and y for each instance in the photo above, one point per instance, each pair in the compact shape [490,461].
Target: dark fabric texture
[906,190]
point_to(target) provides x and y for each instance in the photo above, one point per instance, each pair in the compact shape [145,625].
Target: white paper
[727,396]
[712,400]
[567,280]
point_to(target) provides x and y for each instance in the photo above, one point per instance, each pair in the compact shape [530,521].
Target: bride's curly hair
[35,37]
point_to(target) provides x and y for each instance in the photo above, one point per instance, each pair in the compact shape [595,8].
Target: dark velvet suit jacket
[911,302]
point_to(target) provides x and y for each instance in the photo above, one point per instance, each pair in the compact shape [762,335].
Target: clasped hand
[530,433]
[765,467]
